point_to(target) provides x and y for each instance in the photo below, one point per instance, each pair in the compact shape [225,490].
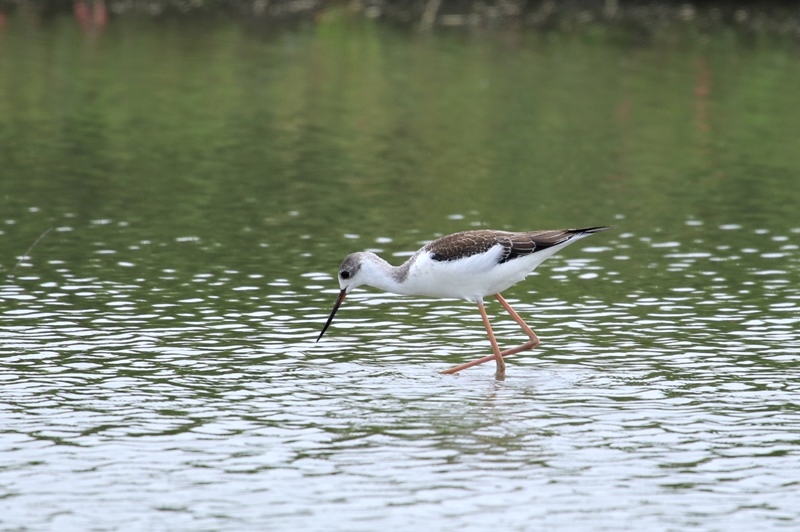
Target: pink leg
[530,344]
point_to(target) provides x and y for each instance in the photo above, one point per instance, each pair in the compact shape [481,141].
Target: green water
[176,195]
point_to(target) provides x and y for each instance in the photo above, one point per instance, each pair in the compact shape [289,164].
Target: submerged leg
[530,344]
[533,340]
[498,356]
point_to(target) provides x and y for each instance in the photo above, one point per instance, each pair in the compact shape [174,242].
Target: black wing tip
[590,230]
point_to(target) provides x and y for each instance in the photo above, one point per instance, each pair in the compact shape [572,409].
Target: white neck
[378,273]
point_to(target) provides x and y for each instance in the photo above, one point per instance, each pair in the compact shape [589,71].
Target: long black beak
[339,300]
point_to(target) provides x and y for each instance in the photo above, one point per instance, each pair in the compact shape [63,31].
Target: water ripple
[218,411]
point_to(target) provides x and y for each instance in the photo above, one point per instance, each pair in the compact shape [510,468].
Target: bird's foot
[530,344]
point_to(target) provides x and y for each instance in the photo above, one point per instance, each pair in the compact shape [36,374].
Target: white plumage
[469,265]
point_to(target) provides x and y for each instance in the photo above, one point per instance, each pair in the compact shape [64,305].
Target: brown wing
[464,244]
[467,243]
[522,244]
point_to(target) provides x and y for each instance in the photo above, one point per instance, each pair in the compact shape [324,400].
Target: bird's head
[351,275]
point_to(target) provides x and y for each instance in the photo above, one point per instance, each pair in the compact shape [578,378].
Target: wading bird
[469,265]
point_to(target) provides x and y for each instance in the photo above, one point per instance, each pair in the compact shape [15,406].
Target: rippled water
[668,401]
[177,194]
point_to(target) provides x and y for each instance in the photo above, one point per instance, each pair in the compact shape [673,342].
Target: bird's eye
[344,274]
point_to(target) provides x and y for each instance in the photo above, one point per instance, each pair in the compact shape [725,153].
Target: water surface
[195,185]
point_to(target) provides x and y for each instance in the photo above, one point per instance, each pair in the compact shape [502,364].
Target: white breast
[473,277]
[469,278]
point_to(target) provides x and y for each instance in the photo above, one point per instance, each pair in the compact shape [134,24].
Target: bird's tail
[589,230]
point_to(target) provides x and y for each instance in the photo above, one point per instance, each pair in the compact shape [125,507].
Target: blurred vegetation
[642,17]
[341,122]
